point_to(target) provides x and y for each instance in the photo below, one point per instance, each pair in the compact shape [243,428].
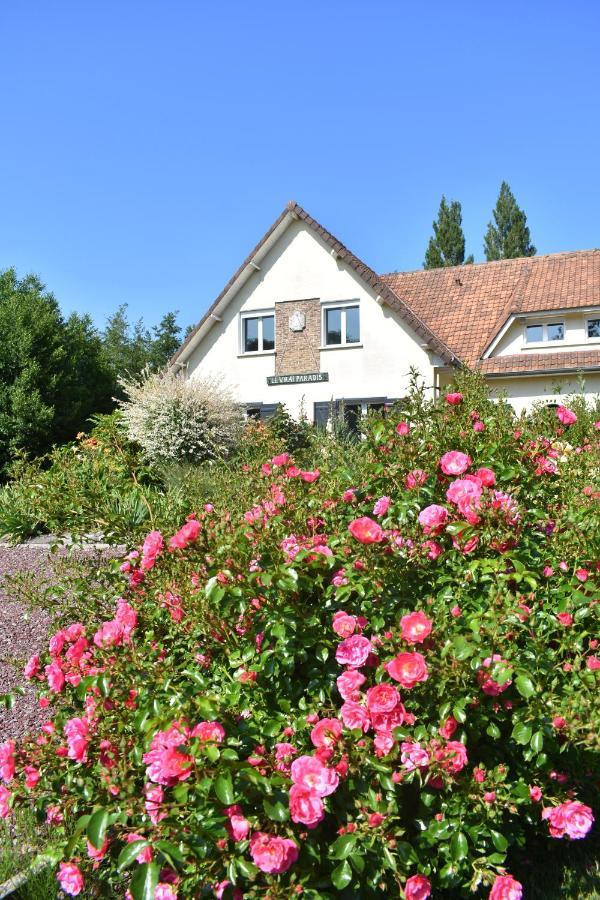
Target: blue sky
[146,146]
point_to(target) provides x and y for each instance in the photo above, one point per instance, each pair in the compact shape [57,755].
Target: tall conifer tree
[447,246]
[509,237]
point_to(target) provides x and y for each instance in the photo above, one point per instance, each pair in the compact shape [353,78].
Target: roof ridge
[494,262]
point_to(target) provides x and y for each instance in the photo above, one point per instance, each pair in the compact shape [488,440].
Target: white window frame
[544,326]
[259,314]
[589,319]
[342,305]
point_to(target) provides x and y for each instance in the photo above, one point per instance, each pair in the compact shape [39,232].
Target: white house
[305,323]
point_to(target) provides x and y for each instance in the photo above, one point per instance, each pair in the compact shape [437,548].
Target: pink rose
[349,684]
[281,460]
[566,416]
[354,651]
[535,793]
[593,663]
[7,760]
[70,878]
[449,727]
[454,398]
[413,756]
[145,855]
[408,668]
[366,530]
[306,806]
[311,773]
[343,624]
[186,535]
[271,853]
[5,796]
[565,619]
[478,426]
[571,818]
[164,891]
[151,548]
[415,627]
[77,733]
[453,756]
[486,682]
[382,698]
[310,477]
[454,462]
[505,887]
[238,827]
[166,764]
[402,428]
[326,733]
[433,518]
[486,476]
[209,731]
[355,716]
[417,887]
[465,491]
[55,676]
[415,479]
[33,667]
[582,575]
[382,506]
[110,634]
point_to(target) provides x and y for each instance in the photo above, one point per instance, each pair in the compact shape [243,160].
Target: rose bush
[296,699]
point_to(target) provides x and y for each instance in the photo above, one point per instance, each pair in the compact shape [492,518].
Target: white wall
[575,335]
[300,266]
[522,393]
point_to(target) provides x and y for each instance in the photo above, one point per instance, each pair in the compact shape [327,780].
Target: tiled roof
[540,362]
[466,306]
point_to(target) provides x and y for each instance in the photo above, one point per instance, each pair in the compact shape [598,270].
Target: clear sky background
[146,145]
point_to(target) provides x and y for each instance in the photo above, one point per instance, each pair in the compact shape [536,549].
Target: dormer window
[593,328]
[545,332]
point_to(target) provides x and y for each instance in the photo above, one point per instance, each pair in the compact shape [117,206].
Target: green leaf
[96,828]
[343,846]
[521,733]
[341,875]
[224,789]
[129,853]
[278,811]
[525,686]
[499,841]
[144,881]
[493,730]
[246,868]
[537,741]
[459,846]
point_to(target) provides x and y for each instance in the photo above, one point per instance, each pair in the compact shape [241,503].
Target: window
[593,328]
[539,334]
[555,331]
[341,326]
[349,412]
[258,334]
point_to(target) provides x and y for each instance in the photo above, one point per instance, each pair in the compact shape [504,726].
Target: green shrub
[202,739]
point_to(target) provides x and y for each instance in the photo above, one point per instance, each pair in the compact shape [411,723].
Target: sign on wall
[310,378]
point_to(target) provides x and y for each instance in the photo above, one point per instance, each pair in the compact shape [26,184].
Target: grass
[20,842]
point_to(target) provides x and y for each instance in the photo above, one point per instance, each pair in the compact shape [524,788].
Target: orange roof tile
[465,306]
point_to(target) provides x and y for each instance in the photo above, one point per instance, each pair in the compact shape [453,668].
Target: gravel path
[23,632]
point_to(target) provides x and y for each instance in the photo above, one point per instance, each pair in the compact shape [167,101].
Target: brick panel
[297,352]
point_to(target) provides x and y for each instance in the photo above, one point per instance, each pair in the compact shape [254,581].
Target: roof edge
[294,211]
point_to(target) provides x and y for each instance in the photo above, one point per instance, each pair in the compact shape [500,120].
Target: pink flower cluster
[486,682]
[166,763]
[186,535]
[572,819]
[316,544]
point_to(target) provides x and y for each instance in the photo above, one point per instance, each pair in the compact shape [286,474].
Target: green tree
[509,237]
[447,245]
[126,347]
[166,339]
[52,372]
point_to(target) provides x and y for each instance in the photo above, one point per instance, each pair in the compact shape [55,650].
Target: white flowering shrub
[174,418]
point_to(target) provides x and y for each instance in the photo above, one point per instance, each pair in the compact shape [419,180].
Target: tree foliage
[509,237]
[52,372]
[447,245]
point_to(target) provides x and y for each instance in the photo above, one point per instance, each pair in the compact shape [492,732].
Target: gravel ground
[22,633]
